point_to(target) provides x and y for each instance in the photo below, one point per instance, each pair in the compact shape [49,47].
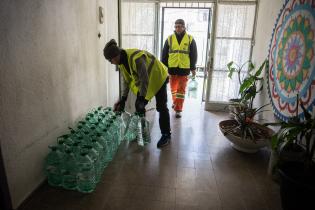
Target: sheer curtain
[138,25]
[232,43]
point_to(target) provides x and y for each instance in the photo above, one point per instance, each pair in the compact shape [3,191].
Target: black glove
[141,102]
[120,105]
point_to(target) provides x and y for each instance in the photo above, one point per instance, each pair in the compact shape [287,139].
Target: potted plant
[294,143]
[248,85]
[245,134]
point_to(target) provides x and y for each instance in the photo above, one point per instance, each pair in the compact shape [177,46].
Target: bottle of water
[86,175]
[140,132]
[52,166]
[118,123]
[62,147]
[86,138]
[192,84]
[83,126]
[106,153]
[76,149]
[192,88]
[93,130]
[132,128]
[112,134]
[101,158]
[70,171]
[100,110]
[145,130]
[94,155]
[75,135]
[66,139]
[109,143]
[125,117]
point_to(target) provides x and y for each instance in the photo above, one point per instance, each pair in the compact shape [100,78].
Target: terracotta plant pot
[262,137]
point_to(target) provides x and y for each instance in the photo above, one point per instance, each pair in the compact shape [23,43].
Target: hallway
[198,170]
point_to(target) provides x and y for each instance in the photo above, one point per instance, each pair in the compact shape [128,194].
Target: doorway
[223,30]
[197,21]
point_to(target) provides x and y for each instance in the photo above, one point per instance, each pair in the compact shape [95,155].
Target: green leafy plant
[248,85]
[246,127]
[296,133]
[243,110]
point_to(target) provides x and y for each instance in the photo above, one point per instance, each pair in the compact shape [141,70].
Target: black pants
[161,107]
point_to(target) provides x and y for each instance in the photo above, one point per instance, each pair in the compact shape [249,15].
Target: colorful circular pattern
[291,56]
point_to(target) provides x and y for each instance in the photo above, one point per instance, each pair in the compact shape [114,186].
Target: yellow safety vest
[157,72]
[179,53]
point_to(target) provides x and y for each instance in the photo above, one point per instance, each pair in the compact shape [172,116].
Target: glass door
[231,41]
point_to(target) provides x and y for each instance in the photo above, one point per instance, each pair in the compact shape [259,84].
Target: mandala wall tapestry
[291,56]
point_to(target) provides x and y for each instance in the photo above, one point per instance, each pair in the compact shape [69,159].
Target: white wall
[52,72]
[268,11]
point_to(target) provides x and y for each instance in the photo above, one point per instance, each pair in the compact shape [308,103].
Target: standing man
[180,56]
[146,77]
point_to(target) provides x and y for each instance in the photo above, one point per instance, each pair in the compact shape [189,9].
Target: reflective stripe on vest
[179,53]
[157,72]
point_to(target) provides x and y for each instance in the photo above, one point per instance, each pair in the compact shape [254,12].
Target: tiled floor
[198,170]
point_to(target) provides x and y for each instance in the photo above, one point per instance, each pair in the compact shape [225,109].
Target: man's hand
[193,72]
[140,104]
[120,104]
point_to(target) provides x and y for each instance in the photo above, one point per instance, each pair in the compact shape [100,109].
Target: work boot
[164,140]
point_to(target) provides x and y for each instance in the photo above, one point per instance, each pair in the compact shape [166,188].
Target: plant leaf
[258,72]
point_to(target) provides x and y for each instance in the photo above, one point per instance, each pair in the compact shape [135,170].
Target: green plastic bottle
[86,175]
[70,170]
[53,166]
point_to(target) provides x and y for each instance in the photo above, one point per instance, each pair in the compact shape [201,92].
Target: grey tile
[199,170]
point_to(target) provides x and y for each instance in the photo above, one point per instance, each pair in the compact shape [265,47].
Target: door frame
[210,16]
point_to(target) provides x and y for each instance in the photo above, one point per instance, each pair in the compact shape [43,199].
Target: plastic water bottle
[83,126]
[76,150]
[66,139]
[192,88]
[94,155]
[52,166]
[125,118]
[86,175]
[139,131]
[70,171]
[101,158]
[192,84]
[112,135]
[146,130]
[118,123]
[109,144]
[132,128]
[62,147]
[100,110]
[75,135]
[106,153]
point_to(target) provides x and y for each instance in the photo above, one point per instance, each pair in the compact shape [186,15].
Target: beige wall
[268,11]
[52,73]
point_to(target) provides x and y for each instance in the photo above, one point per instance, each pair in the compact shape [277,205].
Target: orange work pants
[178,86]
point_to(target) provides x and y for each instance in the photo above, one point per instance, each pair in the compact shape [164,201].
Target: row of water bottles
[79,158]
